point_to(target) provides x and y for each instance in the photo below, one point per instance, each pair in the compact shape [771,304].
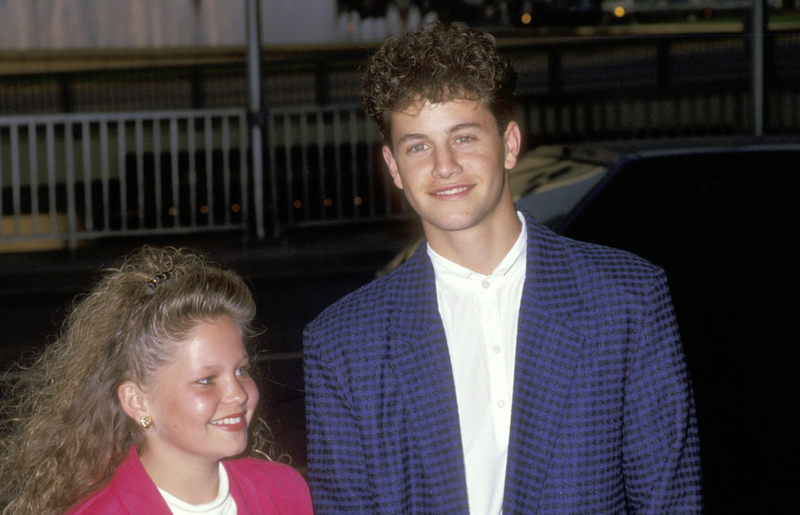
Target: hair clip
[158,279]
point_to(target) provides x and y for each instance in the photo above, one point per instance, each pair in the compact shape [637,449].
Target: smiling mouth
[453,191]
[227,421]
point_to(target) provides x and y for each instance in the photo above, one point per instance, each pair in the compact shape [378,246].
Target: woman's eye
[206,381]
[243,371]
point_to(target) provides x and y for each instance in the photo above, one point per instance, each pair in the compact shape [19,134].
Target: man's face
[451,162]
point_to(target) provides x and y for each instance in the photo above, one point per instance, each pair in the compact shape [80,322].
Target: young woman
[145,403]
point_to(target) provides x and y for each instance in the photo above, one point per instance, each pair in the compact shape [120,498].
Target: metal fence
[85,176]
[325,167]
[651,87]
[82,175]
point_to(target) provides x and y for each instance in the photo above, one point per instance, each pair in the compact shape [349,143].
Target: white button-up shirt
[480,315]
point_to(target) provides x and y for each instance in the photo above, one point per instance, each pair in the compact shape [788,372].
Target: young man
[502,368]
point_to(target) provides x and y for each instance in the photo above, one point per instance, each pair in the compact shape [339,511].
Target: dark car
[720,216]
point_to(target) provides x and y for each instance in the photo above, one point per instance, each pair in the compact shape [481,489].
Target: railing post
[253,19]
[69,156]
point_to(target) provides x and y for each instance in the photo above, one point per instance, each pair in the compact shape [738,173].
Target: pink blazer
[259,487]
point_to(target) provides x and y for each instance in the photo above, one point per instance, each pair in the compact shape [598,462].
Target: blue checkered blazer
[603,417]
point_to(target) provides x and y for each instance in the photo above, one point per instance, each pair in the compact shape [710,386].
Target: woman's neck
[193,481]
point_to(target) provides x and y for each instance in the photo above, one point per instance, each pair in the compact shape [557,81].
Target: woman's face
[202,402]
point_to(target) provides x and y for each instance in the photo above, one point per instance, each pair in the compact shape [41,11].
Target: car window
[551,202]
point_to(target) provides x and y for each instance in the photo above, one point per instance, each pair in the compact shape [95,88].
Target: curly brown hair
[64,432]
[439,63]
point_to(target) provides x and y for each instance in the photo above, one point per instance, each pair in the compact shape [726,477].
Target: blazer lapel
[421,361]
[548,350]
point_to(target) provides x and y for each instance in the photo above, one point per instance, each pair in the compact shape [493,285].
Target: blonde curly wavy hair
[64,432]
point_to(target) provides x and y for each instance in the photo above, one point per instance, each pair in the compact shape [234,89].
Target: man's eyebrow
[454,128]
[410,137]
[465,125]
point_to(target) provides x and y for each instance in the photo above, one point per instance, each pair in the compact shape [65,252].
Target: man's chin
[449,224]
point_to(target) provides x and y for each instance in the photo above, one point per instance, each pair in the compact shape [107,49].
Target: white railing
[326,168]
[72,177]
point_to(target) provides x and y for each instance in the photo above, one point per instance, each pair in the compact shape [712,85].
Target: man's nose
[445,163]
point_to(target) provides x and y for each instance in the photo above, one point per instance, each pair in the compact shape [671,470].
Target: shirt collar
[443,266]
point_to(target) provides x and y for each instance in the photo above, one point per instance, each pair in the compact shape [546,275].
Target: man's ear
[132,399]
[392,164]
[513,143]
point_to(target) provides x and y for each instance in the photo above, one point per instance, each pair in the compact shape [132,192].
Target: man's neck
[480,249]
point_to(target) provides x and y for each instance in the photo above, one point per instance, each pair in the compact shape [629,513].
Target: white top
[222,505]
[480,315]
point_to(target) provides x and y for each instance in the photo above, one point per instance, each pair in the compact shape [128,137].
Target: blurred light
[204,210]
[351,25]
[619,12]
[357,201]
[172,211]
[708,13]
[328,202]
[235,208]
[526,18]
[297,204]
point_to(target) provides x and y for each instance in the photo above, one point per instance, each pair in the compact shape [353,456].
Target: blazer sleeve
[661,456]
[338,476]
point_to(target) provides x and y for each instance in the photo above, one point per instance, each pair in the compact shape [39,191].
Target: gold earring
[146,421]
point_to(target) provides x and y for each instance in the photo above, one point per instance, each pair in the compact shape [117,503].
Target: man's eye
[417,148]
[464,139]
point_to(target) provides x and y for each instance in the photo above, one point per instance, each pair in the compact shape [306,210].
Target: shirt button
[501,404]
[496,349]
[485,283]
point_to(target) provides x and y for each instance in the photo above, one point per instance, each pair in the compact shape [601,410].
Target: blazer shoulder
[270,483]
[131,491]
[607,260]
[598,272]
[554,249]
[104,502]
[612,277]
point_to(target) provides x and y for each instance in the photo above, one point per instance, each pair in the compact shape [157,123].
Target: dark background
[292,281]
